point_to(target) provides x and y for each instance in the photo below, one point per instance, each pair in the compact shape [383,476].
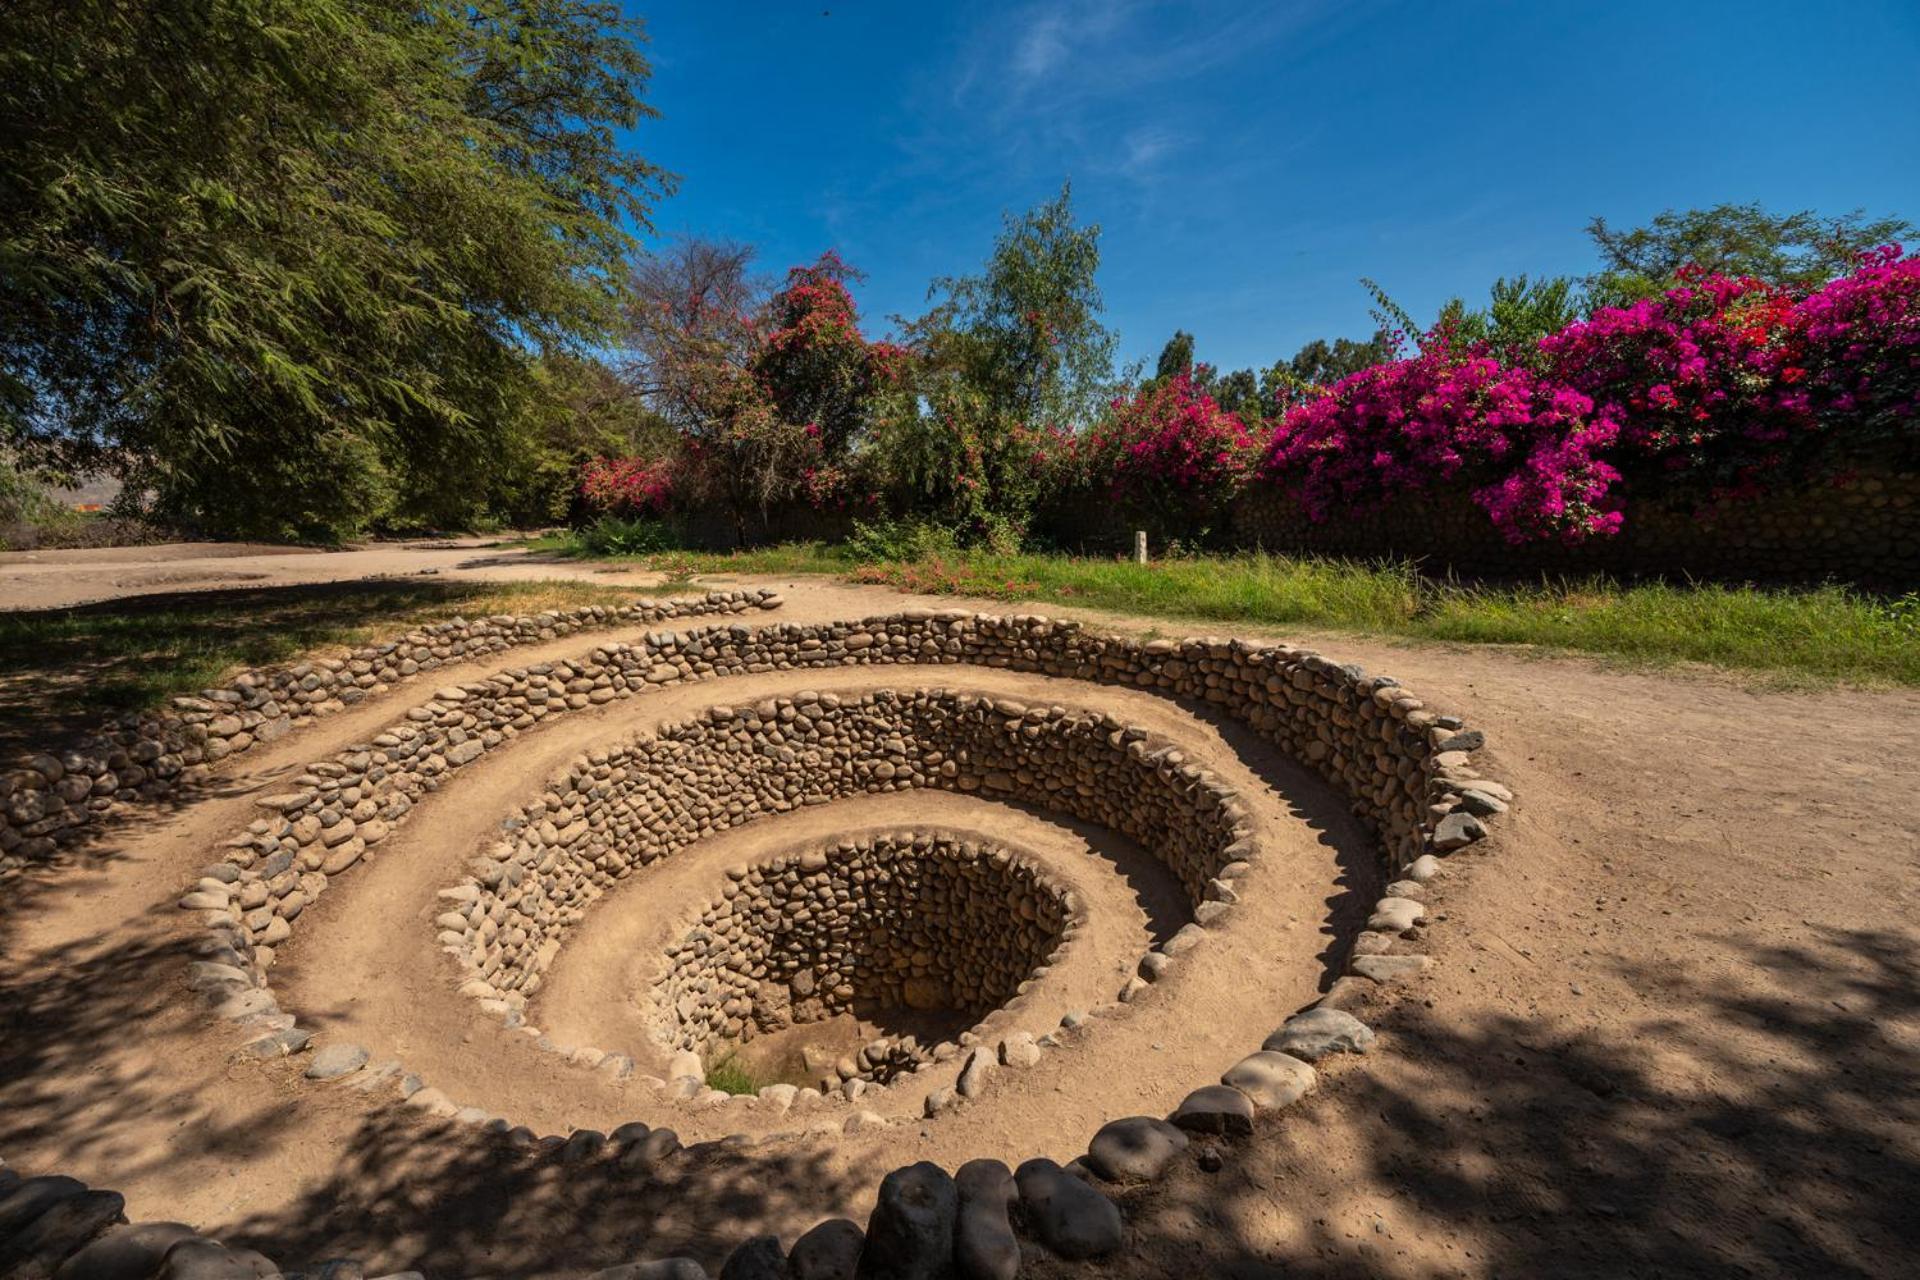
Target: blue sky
[1247,163]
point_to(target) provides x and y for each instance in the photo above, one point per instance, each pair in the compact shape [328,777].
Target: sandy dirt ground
[1674,1027]
[56,579]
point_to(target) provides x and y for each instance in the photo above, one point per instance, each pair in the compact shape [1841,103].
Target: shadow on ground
[62,671]
[1777,1136]
[452,1200]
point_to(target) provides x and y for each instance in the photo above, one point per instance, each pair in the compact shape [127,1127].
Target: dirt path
[56,579]
[1674,1029]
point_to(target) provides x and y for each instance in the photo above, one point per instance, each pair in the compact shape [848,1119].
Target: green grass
[1821,634]
[74,665]
[1826,633]
[729,1076]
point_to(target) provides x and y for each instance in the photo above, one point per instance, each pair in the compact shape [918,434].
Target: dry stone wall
[622,809]
[900,921]
[1407,770]
[1404,768]
[56,797]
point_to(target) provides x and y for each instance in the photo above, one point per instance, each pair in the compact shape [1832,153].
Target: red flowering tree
[1172,456]
[1690,377]
[629,488]
[767,391]
[815,365]
[1853,356]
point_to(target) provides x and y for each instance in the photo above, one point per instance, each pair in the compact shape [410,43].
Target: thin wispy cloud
[1143,149]
[1092,87]
[1064,53]
[1040,48]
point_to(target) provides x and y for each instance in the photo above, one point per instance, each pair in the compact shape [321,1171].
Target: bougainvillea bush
[1722,388]
[628,488]
[1171,456]
[1527,449]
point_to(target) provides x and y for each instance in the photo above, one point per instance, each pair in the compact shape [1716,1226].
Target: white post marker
[1139,546]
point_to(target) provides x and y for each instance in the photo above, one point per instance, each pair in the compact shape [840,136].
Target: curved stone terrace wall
[898,921]
[619,810]
[55,797]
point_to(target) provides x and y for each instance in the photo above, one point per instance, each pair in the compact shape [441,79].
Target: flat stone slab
[1215,1109]
[1386,969]
[1070,1217]
[1396,915]
[332,1061]
[1456,831]
[132,1254]
[1312,1035]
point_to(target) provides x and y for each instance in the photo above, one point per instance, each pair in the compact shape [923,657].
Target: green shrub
[909,539]
[614,536]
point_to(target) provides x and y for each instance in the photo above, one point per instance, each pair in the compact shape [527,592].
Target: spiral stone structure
[930,873]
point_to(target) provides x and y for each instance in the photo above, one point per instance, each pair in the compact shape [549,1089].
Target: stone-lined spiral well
[1407,772]
[924,922]
[621,809]
[1405,769]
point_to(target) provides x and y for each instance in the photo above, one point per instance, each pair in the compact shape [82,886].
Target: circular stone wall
[1406,771]
[919,923]
[621,809]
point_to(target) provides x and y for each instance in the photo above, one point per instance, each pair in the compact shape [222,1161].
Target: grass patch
[1827,632]
[729,1075]
[1821,633]
[71,666]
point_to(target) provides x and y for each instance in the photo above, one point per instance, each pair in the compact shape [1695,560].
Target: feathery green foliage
[1799,251]
[289,264]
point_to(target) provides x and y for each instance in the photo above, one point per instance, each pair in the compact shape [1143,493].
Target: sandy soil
[56,579]
[1674,1028]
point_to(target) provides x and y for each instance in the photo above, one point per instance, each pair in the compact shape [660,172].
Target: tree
[292,263]
[816,365]
[1176,357]
[690,305]
[766,392]
[1518,314]
[1798,251]
[1321,364]
[1238,393]
[1028,328]
[1002,361]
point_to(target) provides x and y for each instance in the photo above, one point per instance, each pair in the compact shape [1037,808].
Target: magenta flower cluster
[1530,450]
[1173,453]
[1722,388]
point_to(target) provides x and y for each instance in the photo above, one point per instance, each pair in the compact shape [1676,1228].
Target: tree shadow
[63,670]
[1777,1134]
[91,1009]
[453,1199]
